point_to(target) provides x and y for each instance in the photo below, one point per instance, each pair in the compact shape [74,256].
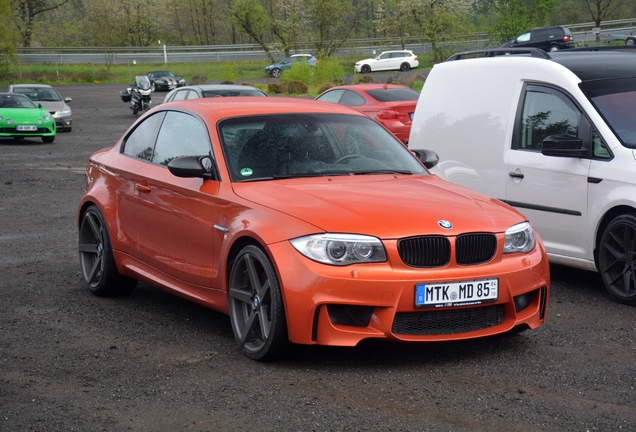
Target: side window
[352,99]
[180,95]
[524,37]
[180,135]
[141,141]
[332,96]
[193,95]
[546,113]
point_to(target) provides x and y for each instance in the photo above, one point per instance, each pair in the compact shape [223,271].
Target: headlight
[519,238]
[145,92]
[181,81]
[63,112]
[340,249]
[47,116]
[9,121]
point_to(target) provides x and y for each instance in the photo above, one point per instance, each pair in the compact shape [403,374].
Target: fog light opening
[348,315]
[523,301]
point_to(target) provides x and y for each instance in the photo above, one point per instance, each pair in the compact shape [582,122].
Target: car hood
[22,114]
[52,106]
[383,206]
[365,60]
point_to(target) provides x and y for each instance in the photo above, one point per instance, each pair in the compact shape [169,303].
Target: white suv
[403,60]
[553,135]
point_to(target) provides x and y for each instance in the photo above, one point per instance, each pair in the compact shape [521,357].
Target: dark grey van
[547,38]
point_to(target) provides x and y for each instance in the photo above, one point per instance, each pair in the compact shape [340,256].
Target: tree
[601,10]
[8,37]
[393,18]
[332,22]
[250,16]
[26,11]
[516,16]
[436,17]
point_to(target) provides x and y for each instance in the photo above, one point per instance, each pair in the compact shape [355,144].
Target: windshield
[310,145]
[235,92]
[41,94]
[142,82]
[615,100]
[394,94]
[13,100]
[160,74]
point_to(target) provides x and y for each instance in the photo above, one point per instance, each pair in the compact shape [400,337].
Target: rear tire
[554,48]
[405,67]
[96,257]
[617,258]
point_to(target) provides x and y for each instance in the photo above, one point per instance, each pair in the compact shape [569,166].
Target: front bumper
[329,305]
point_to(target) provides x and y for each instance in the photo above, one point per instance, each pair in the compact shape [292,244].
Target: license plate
[27,128]
[445,294]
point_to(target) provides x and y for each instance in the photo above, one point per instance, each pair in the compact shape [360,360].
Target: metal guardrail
[582,32]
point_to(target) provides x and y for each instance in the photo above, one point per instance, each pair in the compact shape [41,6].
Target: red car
[390,104]
[305,222]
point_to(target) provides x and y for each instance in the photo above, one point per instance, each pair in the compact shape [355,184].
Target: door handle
[515,175]
[143,188]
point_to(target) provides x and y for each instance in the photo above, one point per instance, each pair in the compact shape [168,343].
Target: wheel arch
[610,215]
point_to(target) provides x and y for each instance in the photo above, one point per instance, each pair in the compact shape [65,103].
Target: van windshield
[615,100]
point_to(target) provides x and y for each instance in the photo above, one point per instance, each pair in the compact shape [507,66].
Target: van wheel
[365,69]
[256,305]
[405,67]
[617,258]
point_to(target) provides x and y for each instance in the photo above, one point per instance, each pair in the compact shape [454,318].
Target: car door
[551,191]
[382,62]
[176,216]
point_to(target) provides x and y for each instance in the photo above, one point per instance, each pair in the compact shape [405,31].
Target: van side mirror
[428,157]
[563,146]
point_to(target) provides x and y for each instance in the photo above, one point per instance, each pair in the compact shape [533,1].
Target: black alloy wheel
[96,257]
[617,258]
[365,69]
[405,67]
[256,305]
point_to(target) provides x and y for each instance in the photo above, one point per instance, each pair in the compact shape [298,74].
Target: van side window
[544,114]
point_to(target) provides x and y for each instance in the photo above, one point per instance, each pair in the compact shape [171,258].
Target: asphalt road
[154,362]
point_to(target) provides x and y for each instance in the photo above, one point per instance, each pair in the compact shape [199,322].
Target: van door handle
[515,175]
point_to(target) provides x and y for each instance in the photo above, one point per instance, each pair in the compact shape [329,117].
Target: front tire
[630,41]
[48,140]
[96,257]
[365,69]
[617,258]
[256,305]
[276,73]
[405,67]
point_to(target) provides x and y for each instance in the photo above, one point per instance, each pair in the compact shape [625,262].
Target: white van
[553,135]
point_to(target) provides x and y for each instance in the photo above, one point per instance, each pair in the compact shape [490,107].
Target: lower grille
[448,321]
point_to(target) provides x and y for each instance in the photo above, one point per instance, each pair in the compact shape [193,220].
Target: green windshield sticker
[246,172]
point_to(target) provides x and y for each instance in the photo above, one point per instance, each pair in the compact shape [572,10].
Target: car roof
[32,85]
[237,106]
[369,86]
[217,87]
[587,63]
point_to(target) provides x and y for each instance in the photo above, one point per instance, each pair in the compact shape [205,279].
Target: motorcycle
[137,96]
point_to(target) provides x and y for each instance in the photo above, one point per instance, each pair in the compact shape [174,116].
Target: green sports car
[21,118]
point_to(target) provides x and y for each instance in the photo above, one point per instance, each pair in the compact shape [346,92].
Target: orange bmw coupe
[306,222]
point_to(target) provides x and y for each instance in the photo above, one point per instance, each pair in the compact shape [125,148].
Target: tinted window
[546,113]
[352,99]
[233,92]
[141,141]
[392,95]
[332,96]
[181,135]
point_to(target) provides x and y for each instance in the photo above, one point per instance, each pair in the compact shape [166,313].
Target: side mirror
[68,99]
[563,146]
[192,166]
[428,157]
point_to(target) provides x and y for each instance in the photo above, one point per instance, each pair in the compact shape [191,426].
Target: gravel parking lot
[154,362]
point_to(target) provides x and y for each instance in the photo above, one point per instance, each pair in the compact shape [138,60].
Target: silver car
[212,90]
[50,100]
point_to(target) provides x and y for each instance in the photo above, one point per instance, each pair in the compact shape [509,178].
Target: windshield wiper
[382,171]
